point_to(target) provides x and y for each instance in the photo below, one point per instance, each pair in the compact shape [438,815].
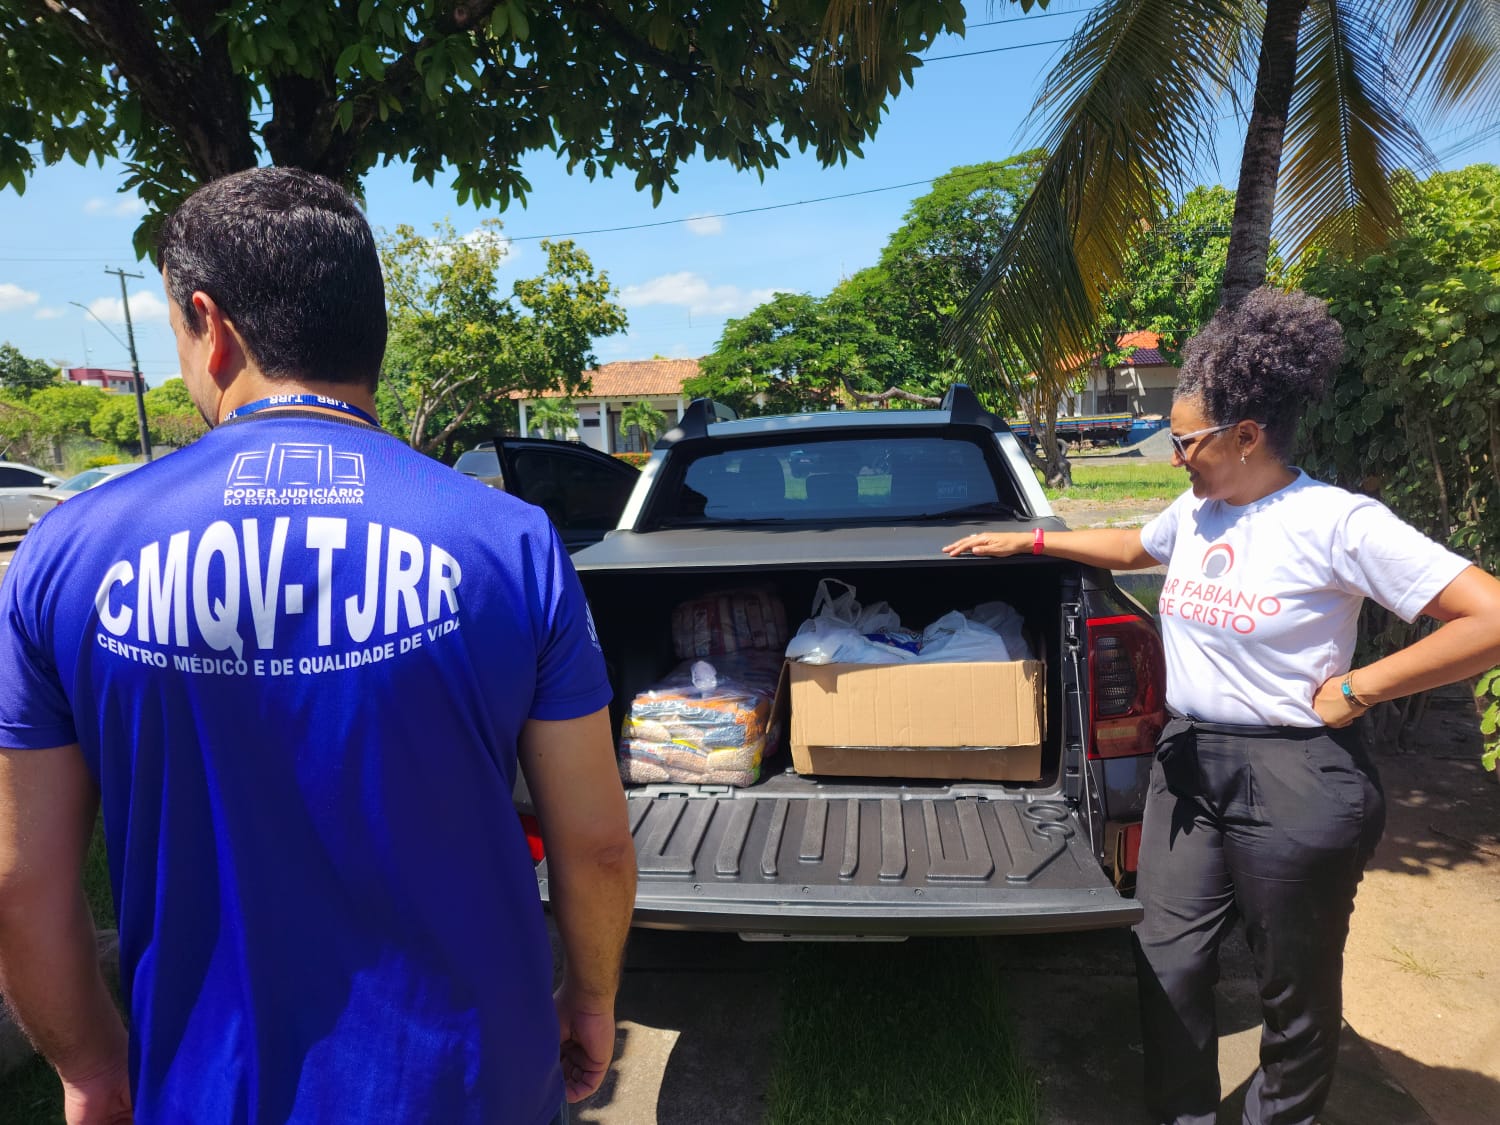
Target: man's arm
[49,966]
[575,787]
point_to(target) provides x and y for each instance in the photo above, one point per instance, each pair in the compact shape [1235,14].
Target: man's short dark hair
[1265,360]
[289,258]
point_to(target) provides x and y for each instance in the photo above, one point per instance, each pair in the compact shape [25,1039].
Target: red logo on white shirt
[1218,560]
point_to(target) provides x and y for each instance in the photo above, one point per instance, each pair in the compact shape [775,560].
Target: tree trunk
[1260,165]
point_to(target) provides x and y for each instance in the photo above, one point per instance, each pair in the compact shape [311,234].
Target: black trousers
[1275,826]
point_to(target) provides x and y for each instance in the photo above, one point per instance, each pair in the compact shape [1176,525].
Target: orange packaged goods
[706,723]
[729,622]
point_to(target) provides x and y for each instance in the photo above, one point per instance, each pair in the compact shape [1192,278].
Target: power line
[995,50]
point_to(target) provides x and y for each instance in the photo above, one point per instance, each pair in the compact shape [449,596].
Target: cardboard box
[981,722]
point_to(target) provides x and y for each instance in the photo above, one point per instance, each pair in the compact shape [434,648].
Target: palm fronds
[1131,110]
[1451,51]
[1347,134]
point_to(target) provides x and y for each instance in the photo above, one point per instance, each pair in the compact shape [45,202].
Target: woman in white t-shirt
[1262,805]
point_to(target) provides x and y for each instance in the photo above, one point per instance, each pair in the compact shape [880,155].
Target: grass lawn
[884,1034]
[1122,480]
[33,1095]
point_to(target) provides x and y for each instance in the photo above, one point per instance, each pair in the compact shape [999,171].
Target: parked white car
[21,490]
[89,478]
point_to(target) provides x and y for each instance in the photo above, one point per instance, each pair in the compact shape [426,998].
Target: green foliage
[635,459]
[1172,275]
[471,88]
[552,417]
[171,418]
[797,352]
[644,418]
[20,375]
[1337,95]
[64,410]
[847,1054]
[458,347]
[1414,416]
[947,238]
[881,328]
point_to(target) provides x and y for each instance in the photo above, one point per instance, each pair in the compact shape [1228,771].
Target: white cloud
[144,305]
[13,297]
[481,236]
[50,312]
[692,292]
[127,207]
[703,225]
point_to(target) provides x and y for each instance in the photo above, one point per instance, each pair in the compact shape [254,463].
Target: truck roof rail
[963,406]
[696,419]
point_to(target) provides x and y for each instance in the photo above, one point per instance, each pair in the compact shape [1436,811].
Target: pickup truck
[869,498]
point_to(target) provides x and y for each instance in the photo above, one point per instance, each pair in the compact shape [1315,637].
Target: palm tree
[1334,91]
[645,418]
[553,416]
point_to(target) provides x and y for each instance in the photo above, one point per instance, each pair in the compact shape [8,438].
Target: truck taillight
[533,829]
[1127,686]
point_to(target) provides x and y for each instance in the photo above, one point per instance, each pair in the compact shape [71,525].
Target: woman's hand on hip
[1332,707]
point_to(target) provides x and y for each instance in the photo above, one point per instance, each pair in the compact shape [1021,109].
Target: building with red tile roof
[1142,384]
[614,386]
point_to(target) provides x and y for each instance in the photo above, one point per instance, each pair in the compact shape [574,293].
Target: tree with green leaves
[1334,90]
[946,240]
[458,345]
[20,375]
[1173,274]
[798,352]
[645,419]
[552,417]
[171,418]
[1414,415]
[183,93]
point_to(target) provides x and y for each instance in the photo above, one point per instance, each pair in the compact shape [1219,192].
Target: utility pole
[135,364]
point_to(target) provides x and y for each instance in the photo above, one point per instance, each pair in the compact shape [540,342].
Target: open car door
[582,490]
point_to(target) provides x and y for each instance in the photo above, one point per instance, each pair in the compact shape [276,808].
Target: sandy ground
[1422,968]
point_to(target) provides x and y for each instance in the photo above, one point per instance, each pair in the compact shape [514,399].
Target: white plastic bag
[1008,623]
[844,609]
[841,631]
[989,632]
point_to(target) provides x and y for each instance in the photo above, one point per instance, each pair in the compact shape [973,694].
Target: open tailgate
[799,857]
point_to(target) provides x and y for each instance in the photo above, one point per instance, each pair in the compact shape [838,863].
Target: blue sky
[678,282]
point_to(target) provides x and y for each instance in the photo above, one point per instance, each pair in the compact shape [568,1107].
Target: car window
[478,463]
[577,492]
[86,479]
[837,479]
[11,477]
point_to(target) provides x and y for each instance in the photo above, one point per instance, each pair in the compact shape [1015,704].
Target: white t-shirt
[1261,602]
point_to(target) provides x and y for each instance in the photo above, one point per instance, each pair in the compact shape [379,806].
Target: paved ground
[698,1013]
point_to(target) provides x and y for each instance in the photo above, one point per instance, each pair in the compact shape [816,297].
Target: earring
[1242,459]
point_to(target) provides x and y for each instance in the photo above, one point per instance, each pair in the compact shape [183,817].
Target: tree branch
[887,395]
[400,76]
[202,102]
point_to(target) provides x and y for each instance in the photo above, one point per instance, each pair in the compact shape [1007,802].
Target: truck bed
[849,856]
[795,855]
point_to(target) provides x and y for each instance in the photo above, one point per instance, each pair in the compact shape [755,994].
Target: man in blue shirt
[299,664]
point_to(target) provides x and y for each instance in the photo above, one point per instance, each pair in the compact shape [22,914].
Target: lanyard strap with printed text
[300,400]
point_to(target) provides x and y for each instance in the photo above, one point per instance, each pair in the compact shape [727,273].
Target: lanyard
[300,400]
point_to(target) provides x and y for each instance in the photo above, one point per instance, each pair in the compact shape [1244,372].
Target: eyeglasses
[1185,442]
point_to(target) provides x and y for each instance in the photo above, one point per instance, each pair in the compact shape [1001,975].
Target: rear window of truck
[836,480]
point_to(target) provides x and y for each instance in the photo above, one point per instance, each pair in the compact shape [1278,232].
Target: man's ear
[223,343]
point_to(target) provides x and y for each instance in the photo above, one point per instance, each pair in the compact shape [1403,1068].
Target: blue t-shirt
[297,657]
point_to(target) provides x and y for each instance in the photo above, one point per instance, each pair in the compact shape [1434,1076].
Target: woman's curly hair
[1265,360]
